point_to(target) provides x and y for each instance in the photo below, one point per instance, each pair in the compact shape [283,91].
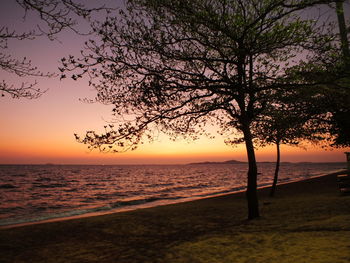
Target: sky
[42,130]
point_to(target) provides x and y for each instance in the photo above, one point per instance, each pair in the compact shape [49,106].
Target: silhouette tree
[286,123]
[332,98]
[343,32]
[175,66]
[341,109]
[55,16]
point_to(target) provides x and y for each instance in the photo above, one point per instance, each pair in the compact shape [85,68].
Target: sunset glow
[42,130]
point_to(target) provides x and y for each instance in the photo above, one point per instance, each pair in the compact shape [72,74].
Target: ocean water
[30,193]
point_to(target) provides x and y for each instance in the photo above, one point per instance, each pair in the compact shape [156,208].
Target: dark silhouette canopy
[175,66]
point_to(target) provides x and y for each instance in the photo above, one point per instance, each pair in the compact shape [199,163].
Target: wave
[18,175]
[142,201]
[123,192]
[83,211]
[8,186]
[57,185]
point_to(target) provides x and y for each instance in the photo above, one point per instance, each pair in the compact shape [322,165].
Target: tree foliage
[167,62]
[333,99]
[330,102]
[54,17]
[175,66]
[341,107]
[287,121]
[294,118]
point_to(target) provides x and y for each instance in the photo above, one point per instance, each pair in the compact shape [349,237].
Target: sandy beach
[307,221]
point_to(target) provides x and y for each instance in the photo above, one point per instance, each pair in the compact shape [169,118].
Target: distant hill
[225,162]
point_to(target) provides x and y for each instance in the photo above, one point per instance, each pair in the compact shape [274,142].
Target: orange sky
[41,130]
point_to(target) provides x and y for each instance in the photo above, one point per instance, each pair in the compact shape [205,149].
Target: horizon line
[191,163]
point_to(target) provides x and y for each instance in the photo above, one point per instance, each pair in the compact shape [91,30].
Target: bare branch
[55,16]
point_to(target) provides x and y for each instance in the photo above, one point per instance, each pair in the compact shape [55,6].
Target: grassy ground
[307,221]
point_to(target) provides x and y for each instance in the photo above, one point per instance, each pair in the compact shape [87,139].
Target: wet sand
[307,221]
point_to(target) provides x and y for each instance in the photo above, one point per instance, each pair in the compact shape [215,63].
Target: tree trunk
[343,31]
[275,178]
[252,195]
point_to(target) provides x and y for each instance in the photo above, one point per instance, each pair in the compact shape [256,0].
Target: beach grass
[307,221]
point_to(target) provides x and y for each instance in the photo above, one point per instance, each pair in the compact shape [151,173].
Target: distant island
[239,162]
[225,162]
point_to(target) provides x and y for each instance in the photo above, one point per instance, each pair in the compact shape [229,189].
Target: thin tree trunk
[252,195]
[343,31]
[277,168]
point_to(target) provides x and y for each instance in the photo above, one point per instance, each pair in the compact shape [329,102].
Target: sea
[35,193]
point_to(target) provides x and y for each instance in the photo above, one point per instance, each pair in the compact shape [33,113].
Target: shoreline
[156,203]
[307,221]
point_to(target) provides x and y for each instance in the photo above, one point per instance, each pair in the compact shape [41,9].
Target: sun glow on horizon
[162,151]
[42,130]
